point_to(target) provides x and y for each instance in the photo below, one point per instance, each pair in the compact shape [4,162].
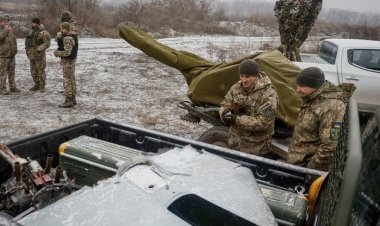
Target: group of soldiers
[37,41]
[319,120]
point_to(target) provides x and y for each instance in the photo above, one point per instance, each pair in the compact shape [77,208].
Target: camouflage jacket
[36,42]
[68,45]
[8,43]
[255,109]
[316,134]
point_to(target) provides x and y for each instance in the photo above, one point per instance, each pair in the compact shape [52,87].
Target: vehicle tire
[217,135]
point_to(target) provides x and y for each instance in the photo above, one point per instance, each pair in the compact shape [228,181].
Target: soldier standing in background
[66,17]
[8,50]
[321,115]
[249,108]
[36,43]
[67,51]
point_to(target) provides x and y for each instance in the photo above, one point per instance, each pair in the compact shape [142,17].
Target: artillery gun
[208,84]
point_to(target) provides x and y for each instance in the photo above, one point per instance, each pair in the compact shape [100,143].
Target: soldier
[36,43]
[249,108]
[8,50]
[67,51]
[319,120]
[66,17]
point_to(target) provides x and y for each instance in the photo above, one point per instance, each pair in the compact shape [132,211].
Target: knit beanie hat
[4,18]
[36,21]
[249,68]
[312,77]
[66,16]
[66,25]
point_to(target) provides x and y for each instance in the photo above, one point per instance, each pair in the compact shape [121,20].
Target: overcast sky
[352,5]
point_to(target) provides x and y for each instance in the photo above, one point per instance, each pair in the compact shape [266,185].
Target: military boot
[34,88]
[14,90]
[42,86]
[68,103]
[5,92]
[74,100]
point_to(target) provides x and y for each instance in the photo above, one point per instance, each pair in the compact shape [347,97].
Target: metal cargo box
[89,160]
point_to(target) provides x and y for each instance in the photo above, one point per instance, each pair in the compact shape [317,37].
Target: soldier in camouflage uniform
[319,120]
[8,50]
[66,17]
[36,43]
[249,108]
[67,51]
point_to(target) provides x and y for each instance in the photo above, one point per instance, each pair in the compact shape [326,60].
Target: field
[116,82]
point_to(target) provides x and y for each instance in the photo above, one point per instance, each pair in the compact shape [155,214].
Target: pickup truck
[349,195]
[350,61]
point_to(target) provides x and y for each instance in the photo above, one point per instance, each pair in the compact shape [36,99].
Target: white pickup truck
[350,61]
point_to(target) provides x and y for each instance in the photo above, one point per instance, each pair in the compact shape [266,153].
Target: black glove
[229,118]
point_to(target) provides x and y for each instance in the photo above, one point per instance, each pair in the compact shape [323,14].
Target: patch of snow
[116,82]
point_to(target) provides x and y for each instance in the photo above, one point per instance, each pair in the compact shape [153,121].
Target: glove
[59,35]
[56,53]
[229,118]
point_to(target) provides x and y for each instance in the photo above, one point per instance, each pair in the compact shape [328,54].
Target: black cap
[249,68]
[312,77]
[36,21]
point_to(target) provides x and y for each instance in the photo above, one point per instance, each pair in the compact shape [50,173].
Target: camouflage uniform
[316,134]
[295,20]
[8,51]
[255,108]
[68,60]
[66,17]
[36,43]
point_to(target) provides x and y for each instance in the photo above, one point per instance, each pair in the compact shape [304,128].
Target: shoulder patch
[268,112]
[335,130]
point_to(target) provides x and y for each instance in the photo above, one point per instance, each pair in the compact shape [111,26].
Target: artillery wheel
[217,135]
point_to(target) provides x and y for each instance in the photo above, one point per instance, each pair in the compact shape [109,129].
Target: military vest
[33,38]
[74,51]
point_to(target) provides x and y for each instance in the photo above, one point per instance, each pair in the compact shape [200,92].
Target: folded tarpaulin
[209,83]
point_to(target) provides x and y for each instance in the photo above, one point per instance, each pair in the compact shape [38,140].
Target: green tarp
[208,82]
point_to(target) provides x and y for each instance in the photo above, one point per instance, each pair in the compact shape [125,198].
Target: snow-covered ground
[116,82]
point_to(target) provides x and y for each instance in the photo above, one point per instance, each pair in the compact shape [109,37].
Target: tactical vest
[33,39]
[74,51]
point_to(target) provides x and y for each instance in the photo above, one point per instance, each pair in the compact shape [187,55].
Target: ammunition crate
[89,160]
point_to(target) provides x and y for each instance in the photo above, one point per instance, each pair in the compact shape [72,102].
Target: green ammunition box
[89,160]
[287,207]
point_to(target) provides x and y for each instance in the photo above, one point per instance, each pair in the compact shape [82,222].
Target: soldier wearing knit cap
[249,109]
[66,17]
[8,51]
[37,41]
[319,120]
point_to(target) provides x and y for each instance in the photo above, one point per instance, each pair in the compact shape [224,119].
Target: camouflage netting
[295,19]
[208,83]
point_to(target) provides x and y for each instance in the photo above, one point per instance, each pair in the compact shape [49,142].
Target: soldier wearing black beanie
[36,21]
[312,77]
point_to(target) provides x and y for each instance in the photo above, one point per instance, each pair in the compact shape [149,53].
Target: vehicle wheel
[217,135]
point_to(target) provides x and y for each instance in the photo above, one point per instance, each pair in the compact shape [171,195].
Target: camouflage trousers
[37,70]
[255,148]
[68,66]
[7,69]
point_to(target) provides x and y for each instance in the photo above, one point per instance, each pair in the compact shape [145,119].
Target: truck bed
[266,171]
